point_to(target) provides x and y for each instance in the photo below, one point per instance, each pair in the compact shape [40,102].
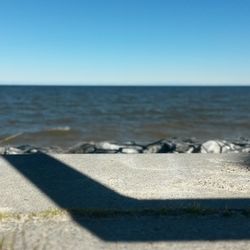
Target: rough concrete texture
[180,232]
[32,183]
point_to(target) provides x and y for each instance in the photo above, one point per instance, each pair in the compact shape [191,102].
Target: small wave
[54,131]
[64,128]
[9,138]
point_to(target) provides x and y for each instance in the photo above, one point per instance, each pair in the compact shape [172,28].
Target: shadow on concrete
[73,190]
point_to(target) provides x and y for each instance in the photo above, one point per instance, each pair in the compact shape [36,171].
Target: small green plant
[50,213]
[7,215]
[4,216]
[195,210]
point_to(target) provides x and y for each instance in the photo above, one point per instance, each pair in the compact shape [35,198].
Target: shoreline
[173,146]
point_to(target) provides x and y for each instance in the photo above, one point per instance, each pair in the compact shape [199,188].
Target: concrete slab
[138,233]
[33,183]
[39,182]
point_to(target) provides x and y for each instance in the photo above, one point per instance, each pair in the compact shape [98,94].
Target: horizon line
[113,84]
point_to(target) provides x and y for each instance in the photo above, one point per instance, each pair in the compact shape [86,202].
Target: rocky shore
[162,146]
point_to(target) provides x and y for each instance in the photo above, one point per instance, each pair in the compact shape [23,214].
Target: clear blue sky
[125,41]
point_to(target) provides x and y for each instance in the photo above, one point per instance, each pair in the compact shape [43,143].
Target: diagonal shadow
[71,189]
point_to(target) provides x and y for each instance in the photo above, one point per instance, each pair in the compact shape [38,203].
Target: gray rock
[84,148]
[190,150]
[245,150]
[160,147]
[130,151]
[241,144]
[182,147]
[169,146]
[228,147]
[151,149]
[134,147]
[211,147]
[196,148]
[13,151]
[105,145]
[53,149]
[217,146]
[28,149]
[118,147]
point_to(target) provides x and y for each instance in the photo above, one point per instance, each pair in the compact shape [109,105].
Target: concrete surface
[33,183]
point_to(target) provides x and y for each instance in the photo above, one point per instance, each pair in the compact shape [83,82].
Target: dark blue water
[66,115]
